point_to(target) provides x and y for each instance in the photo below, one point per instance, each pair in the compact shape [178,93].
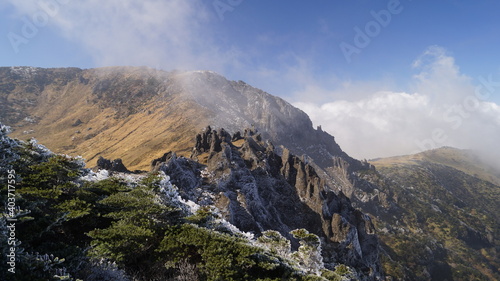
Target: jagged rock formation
[257,189]
[136,114]
[111,165]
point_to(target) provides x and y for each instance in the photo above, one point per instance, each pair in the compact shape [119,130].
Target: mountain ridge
[107,225]
[101,101]
[463,160]
[139,114]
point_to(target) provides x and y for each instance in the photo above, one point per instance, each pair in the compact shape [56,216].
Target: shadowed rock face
[257,189]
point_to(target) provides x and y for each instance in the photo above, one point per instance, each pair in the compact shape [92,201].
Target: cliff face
[259,187]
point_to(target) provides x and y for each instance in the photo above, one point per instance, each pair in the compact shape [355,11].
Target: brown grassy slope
[116,124]
[138,114]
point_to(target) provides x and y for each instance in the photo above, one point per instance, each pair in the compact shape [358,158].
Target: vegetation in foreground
[73,224]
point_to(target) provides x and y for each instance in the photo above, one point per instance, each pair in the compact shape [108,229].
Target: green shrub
[220,256]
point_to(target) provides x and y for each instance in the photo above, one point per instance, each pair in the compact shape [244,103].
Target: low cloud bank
[445,108]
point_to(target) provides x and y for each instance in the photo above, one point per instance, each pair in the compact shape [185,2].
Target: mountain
[444,220]
[467,161]
[66,222]
[259,188]
[260,162]
[139,113]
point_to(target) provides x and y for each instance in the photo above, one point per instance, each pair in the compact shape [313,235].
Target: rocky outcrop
[111,165]
[165,158]
[259,187]
[210,141]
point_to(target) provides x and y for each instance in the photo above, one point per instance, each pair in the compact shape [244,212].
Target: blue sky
[415,58]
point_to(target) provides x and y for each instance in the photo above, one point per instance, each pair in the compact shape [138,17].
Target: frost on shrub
[35,266]
[39,150]
[95,176]
[309,253]
[275,243]
[204,216]
[103,270]
[4,130]
[227,227]
[8,148]
[30,266]
[167,194]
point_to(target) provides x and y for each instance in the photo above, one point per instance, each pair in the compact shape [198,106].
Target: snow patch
[24,71]
[96,176]
[30,119]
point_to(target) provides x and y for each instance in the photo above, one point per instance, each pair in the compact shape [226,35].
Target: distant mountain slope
[137,113]
[463,160]
[444,223]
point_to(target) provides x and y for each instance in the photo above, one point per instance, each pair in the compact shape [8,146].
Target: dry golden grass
[203,158]
[396,160]
[239,143]
[156,126]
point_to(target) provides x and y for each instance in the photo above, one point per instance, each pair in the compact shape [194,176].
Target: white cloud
[368,119]
[159,33]
[442,110]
